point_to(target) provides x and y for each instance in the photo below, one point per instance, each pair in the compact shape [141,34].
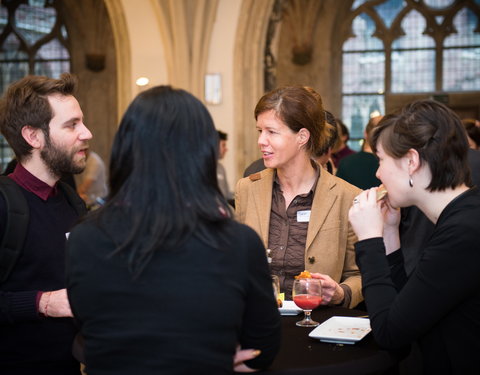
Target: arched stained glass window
[461,54]
[33,40]
[413,57]
[407,47]
[363,56]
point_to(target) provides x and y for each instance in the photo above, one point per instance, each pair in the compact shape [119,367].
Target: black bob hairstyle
[436,132]
[163,176]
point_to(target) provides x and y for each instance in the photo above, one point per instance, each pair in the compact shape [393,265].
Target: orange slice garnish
[304,275]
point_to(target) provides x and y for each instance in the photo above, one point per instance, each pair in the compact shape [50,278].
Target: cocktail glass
[307,294]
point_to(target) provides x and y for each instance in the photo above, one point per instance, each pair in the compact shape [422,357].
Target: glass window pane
[465,23]
[357,3]
[52,50]
[413,25]
[413,71]
[10,47]
[439,3]
[461,69]
[356,110]
[389,10]
[363,72]
[6,154]
[363,28]
[439,19]
[14,63]
[63,32]
[52,68]
[12,72]
[34,22]
[3,17]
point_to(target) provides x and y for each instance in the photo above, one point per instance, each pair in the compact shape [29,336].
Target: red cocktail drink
[307,294]
[307,301]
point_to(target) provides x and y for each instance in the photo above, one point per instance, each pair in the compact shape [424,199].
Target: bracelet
[46,304]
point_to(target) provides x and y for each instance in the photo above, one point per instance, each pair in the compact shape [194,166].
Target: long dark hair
[163,177]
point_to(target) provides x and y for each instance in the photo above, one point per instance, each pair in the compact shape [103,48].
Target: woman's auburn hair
[436,133]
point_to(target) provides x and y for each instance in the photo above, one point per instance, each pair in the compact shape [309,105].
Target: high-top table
[301,355]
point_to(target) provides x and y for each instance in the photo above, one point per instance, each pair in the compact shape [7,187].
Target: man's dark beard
[58,161]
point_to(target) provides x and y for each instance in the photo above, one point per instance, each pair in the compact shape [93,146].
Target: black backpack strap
[16,226]
[73,198]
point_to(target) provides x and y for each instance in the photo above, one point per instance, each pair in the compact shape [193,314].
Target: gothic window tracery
[398,47]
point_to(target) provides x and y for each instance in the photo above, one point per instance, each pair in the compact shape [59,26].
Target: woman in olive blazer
[330,238]
[292,128]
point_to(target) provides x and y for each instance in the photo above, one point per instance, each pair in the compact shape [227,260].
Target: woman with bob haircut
[423,162]
[161,278]
[299,209]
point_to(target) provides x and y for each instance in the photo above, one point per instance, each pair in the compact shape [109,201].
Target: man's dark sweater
[28,340]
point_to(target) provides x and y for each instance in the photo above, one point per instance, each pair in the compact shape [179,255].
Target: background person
[161,279]
[92,182]
[324,157]
[360,168]
[221,172]
[341,149]
[254,167]
[43,123]
[299,209]
[423,162]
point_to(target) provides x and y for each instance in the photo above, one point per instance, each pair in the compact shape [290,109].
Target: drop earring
[410,181]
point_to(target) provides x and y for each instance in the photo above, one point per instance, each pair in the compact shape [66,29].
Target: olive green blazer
[329,248]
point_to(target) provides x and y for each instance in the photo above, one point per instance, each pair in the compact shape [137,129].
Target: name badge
[303,216]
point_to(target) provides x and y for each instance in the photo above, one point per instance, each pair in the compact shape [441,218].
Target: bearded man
[43,123]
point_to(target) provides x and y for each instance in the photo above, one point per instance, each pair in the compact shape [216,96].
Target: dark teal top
[359,169]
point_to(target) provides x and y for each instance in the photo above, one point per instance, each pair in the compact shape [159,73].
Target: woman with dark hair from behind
[422,152]
[161,279]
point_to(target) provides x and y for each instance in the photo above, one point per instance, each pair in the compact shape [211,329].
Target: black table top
[300,354]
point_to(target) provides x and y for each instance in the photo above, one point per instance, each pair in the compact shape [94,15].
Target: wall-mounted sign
[213,88]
